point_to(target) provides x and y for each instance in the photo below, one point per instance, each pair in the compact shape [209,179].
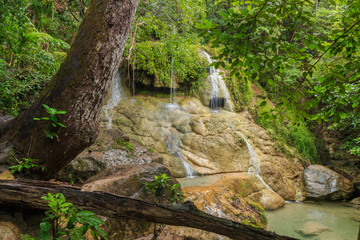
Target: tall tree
[79,87]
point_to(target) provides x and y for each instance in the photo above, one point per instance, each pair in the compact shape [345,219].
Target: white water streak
[254,164]
[172,83]
[117,93]
[218,86]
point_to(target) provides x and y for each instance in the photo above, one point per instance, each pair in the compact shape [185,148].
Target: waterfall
[133,76]
[117,93]
[219,95]
[172,144]
[172,82]
[254,164]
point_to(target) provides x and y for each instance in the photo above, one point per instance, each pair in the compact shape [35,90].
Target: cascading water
[219,95]
[254,164]
[173,143]
[117,93]
[172,82]
[133,76]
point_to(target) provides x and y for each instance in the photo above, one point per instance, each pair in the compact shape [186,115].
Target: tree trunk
[79,87]
[27,194]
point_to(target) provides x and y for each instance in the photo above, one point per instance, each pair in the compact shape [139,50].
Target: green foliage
[25,164]
[160,185]
[307,58]
[18,87]
[127,145]
[53,121]
[288,131]
[26,237]
[241,93]
[353,145]
[64,221]
[160,59]
[28,55]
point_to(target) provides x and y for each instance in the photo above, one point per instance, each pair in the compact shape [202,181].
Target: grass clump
[119,143]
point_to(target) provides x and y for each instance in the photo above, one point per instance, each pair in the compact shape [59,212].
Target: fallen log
[28,194]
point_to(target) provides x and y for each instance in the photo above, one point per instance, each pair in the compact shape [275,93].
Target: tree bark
[79,87]
[27,194]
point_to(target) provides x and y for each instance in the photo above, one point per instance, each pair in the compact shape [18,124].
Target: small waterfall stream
[117,93]
[219,95]
[173,143]
[133,76]
[172,83]
[254,164]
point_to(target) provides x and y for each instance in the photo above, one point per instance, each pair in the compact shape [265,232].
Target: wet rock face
[189,136]
[324,183]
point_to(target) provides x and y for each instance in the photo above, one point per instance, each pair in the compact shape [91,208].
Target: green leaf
[342,115]
[86,214]
[61,112]
[261,96]
[93,221]
[76,234]
[312,46]
[224,15]
[45,226]
[46,107]
[263,103]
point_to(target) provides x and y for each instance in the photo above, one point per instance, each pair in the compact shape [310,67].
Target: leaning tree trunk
[79,87]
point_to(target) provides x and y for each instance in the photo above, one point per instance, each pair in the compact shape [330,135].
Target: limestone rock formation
[322,182]
[112,149]
[194,140]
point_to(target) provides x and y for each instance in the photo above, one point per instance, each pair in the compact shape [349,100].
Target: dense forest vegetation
[303,55]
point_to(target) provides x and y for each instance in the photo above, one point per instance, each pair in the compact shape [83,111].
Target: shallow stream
[327,220]
[338,221]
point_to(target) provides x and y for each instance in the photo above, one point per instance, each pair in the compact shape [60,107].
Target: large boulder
[112,149]
[231,196]
[268,199]
[324,183]
[127,180]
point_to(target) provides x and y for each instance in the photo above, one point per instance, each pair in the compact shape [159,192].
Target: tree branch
[320,57]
